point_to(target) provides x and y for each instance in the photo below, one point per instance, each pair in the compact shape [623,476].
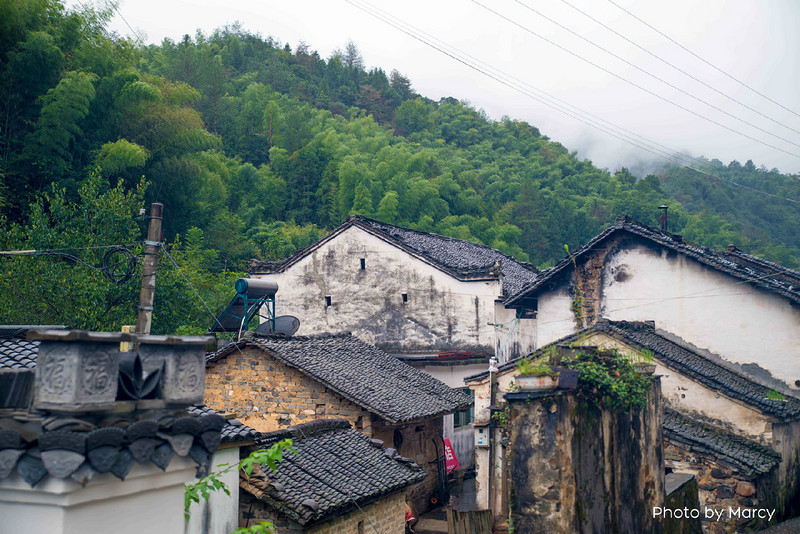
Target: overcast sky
[756,42]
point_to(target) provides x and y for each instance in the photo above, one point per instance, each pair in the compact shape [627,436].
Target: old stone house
[720,301]
[435,301]
[339,481]
[90,443]
[272,382]
[718,420]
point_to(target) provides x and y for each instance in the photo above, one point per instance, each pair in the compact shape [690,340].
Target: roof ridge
[355,217]
[305,430]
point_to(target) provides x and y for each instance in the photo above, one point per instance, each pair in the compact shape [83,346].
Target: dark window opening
[464,417]
[405,298]
[398,440]
[360,423]
[328,301]
[363,263]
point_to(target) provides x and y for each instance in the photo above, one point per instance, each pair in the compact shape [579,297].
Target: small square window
[328,301]
[405,298]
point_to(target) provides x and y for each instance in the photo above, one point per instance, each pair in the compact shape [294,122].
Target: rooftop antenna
[663,209]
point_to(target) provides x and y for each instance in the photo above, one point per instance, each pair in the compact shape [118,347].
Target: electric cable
[399,25]
[703,60]
[642,88]
[698,80]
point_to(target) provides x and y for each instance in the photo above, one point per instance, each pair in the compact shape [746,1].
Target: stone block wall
[386,515]
[722,488]
[268,395]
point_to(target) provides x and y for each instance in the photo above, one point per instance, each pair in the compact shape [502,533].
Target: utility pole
[151,250]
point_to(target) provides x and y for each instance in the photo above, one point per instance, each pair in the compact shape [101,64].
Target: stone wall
[268,395]
[721,488]
[386,516]
[578,468]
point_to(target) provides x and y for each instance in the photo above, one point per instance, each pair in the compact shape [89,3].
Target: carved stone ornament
[183,378]
[76,374]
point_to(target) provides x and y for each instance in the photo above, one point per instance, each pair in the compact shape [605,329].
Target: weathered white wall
[555,318]
[220,513]
[514,337]
[483,464]
[148,500]
[441,313]
[452,375]
[709,309]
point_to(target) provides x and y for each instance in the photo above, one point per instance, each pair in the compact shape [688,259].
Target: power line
[500,76]
[642,88]
[695,97]
[702,59]
[640,47]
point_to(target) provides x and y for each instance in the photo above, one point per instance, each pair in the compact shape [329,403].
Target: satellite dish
[285,324]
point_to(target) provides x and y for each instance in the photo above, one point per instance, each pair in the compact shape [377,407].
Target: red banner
[449,456]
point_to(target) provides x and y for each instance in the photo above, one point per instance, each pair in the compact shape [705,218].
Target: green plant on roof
[609,379]
[538,367]
[642,357]
[774,395]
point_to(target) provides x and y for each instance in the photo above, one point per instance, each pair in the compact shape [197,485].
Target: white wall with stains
[709,309]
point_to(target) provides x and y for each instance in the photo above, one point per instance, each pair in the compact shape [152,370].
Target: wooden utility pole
[151,250]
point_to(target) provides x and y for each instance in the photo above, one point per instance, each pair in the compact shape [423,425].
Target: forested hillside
[257,148]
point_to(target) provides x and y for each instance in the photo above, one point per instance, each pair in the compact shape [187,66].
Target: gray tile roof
[18,353]
[750,458]
[360,373]
[462,259]
[760,273]
[681,358]
[234,430]
[335,470]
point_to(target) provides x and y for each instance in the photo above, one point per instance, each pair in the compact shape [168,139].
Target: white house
[425,298]
[726,302]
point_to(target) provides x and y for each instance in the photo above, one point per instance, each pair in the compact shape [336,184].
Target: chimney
[663,209]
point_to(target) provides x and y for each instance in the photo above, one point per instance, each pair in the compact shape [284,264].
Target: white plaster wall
[514,337]
[220,513]
[453,375]
[441,313]
[483,464]
[147,501]
[554,318]
[706,308]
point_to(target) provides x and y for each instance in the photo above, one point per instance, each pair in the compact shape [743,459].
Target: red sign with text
[449,456]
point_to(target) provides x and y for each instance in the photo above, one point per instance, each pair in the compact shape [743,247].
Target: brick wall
[387,515]
[268,395]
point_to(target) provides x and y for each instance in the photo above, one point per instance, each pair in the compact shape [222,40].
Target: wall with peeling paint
[573,467]
[439,314]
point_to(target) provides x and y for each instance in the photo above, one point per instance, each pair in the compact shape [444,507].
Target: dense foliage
[257,150]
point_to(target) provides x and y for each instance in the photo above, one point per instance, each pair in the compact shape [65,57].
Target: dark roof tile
[756,271]
[335,470]
[234,430]
[735,451]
